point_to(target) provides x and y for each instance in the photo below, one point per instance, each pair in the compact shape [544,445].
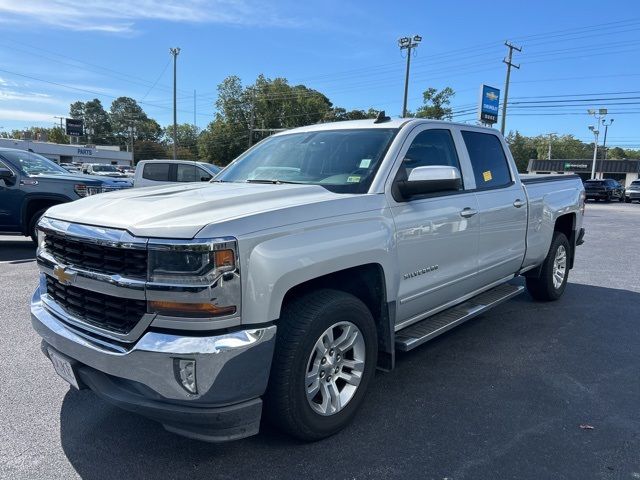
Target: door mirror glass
[430,179]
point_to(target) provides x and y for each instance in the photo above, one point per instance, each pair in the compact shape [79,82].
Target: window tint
[430,148]
[490,167]
[190,173]
[156,171]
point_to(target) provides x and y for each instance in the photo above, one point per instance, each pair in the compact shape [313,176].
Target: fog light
[185,372]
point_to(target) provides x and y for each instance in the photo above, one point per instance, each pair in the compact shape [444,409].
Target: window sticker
[487,176]
[365,162]
[353,179]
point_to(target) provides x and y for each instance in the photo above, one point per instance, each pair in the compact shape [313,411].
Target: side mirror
[7,175]
[432,179]
[205,179]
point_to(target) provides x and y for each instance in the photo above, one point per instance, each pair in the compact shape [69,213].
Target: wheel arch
[34,203]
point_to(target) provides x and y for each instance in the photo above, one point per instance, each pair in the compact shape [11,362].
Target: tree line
[245,114]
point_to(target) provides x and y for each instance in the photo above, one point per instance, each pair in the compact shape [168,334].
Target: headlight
[80,189]
[190,263]
[199,278]
[41,238]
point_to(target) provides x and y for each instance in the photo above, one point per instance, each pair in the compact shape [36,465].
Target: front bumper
[231,372]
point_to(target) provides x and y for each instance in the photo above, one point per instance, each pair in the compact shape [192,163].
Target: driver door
[436,234]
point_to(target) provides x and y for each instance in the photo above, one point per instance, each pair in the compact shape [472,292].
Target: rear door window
[158,172]
[490,166]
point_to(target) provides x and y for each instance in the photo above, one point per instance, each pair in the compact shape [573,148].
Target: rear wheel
[553,277]
[325,357]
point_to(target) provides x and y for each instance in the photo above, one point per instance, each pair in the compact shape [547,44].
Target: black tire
[608,199]
[302,323]
[627,200]
[621,199]
[542,287]
[33,223]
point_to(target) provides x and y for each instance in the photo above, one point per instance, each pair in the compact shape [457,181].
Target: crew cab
[31,183]
[316,256]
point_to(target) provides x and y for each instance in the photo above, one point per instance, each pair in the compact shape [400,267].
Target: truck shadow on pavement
[17,251]
[503,396]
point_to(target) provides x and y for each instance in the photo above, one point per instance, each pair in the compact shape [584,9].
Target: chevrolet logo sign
[64,276]
[491,96]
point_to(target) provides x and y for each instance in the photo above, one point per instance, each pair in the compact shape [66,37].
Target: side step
[423,331]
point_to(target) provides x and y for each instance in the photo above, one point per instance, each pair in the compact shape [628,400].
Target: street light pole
[408,44]
[604,142]
[595,150]
[175,52]
[551,135]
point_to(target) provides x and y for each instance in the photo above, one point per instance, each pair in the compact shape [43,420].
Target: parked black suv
[606,189]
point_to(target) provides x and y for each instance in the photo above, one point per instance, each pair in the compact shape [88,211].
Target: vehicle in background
[71,168]
[606,189]
[126,170]
[308,262]
[31,183]
[102,170]
[633,192]
[161,172]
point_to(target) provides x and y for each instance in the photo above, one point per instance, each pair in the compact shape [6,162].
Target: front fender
[281,262]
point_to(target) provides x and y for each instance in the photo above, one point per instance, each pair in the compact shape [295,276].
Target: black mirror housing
[7,175]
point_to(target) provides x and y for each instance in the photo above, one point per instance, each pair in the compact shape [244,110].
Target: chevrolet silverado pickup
[310,261]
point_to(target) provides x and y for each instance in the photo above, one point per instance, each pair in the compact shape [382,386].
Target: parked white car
[102,170]
[161,172]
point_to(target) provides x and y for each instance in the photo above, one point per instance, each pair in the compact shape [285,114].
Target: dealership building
[61,153]
[624,171]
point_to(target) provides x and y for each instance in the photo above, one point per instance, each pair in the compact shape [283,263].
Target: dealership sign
[575,166]
[75,127]
[489,104]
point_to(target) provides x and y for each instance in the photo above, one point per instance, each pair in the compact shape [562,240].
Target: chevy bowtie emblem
[491,96]
[64,277]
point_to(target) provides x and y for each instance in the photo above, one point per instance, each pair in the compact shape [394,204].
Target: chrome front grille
[126,262]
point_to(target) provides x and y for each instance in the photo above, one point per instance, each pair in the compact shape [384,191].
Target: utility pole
[596,132]
[408,44]
[604,143]
[252,118]
[175,52]
[194,110]
[507,60]
[551,135]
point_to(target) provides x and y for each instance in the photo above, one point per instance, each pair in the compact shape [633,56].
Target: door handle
[468,212]
[518,203]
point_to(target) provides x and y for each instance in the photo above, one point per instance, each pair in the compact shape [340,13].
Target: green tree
[124,113]
[436,104]
[522,149]
[148,150]
[94,117]
[58,135]
[187,139]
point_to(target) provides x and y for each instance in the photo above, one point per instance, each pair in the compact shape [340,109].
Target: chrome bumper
[230,367]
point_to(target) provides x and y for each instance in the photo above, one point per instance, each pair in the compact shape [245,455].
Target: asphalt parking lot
[503,396]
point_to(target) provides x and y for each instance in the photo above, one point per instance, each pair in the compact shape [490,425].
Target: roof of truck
[370,123]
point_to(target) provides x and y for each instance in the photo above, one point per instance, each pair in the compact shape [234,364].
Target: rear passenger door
[502,207]
[156,173]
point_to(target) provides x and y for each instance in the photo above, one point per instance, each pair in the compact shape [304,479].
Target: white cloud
[27,116]
[120,16]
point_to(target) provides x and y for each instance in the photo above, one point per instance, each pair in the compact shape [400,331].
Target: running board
[423,331]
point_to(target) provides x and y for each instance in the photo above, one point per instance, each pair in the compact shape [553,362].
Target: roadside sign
[75,127]
[489,104]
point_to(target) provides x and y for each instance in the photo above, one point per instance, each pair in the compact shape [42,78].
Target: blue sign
[489,104]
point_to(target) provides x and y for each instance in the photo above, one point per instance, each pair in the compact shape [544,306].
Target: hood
[80,178]
[180,211]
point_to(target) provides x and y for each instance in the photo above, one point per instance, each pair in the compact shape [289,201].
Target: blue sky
[348,50]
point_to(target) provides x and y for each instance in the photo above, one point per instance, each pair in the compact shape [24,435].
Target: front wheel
[33,223]
[325,357]
[553,277]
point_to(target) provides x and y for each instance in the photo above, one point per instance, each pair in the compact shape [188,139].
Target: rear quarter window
[490,166]
[156,171]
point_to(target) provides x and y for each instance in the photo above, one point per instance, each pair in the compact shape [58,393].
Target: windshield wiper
[274,182]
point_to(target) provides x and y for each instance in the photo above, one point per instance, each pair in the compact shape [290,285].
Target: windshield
[212,169]
[343,161]
[635,184]
[105,168]
[33,164]
[594,183]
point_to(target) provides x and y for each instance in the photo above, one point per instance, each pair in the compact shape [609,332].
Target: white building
[61,153]
[624,171]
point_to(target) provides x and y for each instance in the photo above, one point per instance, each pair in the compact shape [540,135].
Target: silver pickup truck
[305,264]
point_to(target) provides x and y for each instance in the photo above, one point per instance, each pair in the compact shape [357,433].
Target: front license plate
[63,368]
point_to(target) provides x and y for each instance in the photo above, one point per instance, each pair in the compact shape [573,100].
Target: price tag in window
[487,176]
[353,179]
[365,162]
